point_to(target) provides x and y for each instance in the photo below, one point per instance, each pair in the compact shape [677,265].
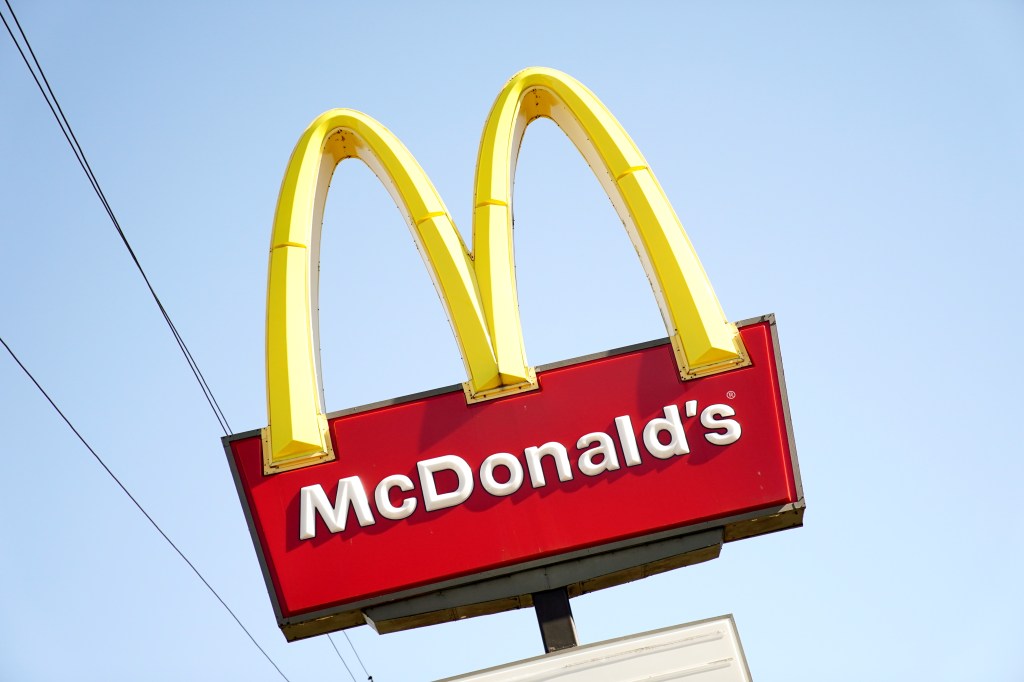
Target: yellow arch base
[478,291]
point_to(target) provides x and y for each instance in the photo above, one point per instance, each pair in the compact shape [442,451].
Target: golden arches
[479,294]
[297,435]
[705,342]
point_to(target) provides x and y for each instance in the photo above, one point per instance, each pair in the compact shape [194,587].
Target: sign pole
[554,616]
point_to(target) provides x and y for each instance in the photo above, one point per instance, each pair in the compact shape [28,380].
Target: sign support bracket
[554,616]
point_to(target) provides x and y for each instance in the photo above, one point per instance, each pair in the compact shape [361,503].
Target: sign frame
[580,571]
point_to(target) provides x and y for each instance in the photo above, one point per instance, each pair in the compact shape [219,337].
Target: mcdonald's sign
[466,500]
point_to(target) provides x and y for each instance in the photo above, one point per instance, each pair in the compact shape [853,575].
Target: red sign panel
[429,491]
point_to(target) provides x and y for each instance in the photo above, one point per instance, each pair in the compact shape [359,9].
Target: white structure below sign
[704,651]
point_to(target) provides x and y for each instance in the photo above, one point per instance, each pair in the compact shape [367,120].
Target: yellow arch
[479,293]
[704,340]
[297,435]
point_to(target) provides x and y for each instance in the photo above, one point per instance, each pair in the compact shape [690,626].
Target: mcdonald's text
[663,438]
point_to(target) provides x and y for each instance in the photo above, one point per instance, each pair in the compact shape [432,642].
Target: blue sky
[855,168]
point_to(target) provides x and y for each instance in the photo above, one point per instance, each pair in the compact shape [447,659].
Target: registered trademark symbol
[730,394]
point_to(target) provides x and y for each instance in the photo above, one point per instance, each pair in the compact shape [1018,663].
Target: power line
[139,506]
[65,127]
[69,135]
[340,658]
[369,677]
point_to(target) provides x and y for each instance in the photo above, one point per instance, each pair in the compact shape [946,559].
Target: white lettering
[606,448]
[691,408]
[534,458]
[515,470]
[627,439]
[313,499]
[663,436]
[432,500]
[671,424]
[382,495]
[732,427]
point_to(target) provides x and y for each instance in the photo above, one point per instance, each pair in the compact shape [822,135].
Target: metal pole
[554,616]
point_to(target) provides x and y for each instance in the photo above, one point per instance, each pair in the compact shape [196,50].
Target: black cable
[331,640]
[69,135]
[139,506]
[369,677]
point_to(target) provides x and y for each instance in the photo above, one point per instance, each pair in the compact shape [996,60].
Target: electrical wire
[369,677]
[340,658]
[69,135]
[139,506]
[65,127]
